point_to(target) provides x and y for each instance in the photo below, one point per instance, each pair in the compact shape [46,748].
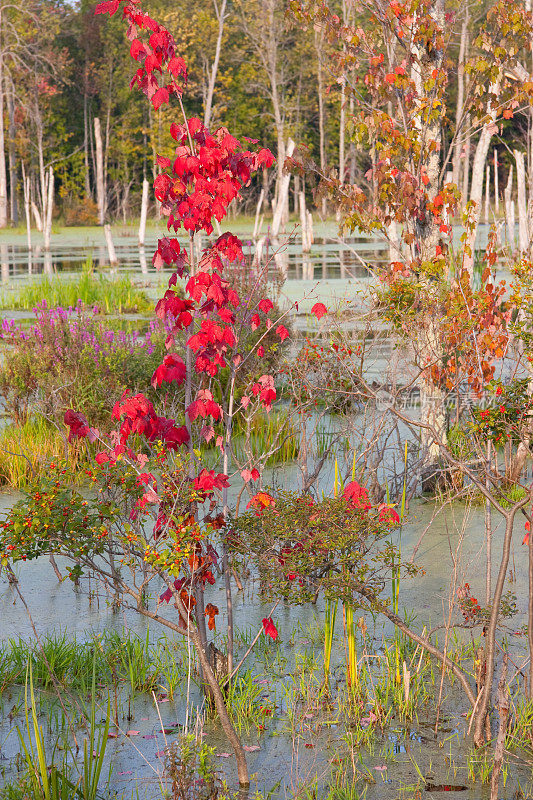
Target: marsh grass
[480,763]
[123,657]
[246,703]
[50,772]
[111,296]
[26,452]
[264,431]
[520,733]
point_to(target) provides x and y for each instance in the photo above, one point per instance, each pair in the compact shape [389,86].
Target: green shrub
[72,359]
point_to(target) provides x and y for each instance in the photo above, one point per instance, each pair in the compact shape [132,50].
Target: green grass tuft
[111,296]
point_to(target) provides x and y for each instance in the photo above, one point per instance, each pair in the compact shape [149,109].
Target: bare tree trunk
[509,216]
[221,17]
[432,411]
[488,529]
[49,205]
[487,194]
[459,122]
[304,224]
[86,146]
[13,178]
[26,190]
[282,194]
[144,211]
[3,175]
[496,185]
[478,170]
[466,164]
[42,171]
[523,242]
[491,627]
[530,614]
[37,215]
[352,145]
[110,246]
[319,43]
[499,750]
[100,187]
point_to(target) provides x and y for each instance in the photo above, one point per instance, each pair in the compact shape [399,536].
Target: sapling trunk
[225,559]
[499,750]
[530,614]
[218,697]
[490,634]
[488,528]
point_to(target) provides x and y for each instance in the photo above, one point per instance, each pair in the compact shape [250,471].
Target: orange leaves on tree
[211,611]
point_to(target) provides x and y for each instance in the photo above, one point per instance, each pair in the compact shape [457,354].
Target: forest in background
[65,104]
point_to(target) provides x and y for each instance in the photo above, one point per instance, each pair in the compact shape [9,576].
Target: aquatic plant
[118,296]
[27,450]
[50,780]
[189,765]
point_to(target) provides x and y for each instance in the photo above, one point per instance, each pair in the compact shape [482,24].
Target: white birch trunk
[221,16]
[487,194]
[523,238]
[3,171]
[310,232]
[282,194]
[37,216]
[496,184]
[142,260]
[110,246]
[100,188]
[27,204]
[478,170]
[306,243]
[49,205]
[4,259]
[144,211]
[459,121]
[466,162]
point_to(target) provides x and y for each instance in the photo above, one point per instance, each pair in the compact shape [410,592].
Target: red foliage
[260,501]
[78,425]
[172,369]
[357,495]
[270,629]
[319,310]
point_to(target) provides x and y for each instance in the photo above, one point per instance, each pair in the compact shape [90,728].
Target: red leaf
[265,305]
[357,495]
[269,628]
[282,332]
[160,98]
[172,369]
[319,309]
[108,7]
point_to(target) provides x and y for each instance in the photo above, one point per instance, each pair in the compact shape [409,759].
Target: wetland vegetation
[263,535]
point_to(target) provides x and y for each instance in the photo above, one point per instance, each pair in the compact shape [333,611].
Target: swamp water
[306,738]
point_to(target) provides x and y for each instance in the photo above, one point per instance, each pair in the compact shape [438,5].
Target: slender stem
[490,634]
[225,559]
[530,614]
[488,529]
[254,642]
